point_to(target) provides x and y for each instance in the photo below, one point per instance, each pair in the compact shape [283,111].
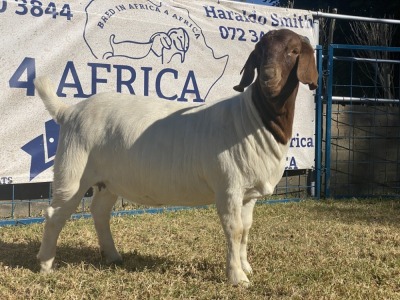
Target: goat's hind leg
[64,203]
[102,204]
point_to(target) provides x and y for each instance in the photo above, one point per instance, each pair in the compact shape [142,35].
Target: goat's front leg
[247,220]
[229,211]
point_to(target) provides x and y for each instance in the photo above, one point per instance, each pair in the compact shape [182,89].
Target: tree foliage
[384,9]
[366,8]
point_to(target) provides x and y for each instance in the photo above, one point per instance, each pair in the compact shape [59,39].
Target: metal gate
[361,115]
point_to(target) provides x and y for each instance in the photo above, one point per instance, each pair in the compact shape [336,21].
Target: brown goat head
[275,57]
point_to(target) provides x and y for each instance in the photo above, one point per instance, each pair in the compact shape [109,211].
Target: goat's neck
[277,113]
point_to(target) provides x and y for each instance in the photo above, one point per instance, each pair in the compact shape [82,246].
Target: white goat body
[156,152]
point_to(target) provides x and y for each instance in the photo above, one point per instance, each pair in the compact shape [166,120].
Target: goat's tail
[50,99]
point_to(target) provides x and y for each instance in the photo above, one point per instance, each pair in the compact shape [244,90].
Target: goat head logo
[159,37]
[165,45]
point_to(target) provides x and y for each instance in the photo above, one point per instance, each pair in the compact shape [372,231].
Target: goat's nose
[270,72]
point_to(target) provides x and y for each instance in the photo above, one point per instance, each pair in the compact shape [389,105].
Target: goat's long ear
[307,69]
[248,72]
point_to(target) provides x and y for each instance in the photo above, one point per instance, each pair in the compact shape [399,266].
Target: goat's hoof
[247,269]
[46,267]
[46,264]
[245,284]
[112,259]
[116,261]
[239,278]
[45,272]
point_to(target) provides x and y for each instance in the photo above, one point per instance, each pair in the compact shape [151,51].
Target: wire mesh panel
[25,203]
[362,122]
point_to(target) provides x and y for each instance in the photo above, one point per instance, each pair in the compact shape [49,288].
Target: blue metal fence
[362,122]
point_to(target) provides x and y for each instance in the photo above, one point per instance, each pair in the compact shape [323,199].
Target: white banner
[180,50]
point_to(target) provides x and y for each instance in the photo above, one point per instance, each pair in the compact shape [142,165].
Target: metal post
[13,201]
[328,123]
[318,126]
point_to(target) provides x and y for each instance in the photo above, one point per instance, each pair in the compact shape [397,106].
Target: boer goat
[231,152]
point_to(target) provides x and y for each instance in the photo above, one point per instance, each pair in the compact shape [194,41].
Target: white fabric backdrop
[178,50]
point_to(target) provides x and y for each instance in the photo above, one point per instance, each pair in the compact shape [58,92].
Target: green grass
[308,250]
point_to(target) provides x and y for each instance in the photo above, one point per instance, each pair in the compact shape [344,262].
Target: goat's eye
[295,51]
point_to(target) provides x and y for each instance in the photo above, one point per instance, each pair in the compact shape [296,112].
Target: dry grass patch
[308,250]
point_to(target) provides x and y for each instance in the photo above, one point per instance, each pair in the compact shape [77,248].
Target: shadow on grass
[17,255]
[383,212]
[23,255]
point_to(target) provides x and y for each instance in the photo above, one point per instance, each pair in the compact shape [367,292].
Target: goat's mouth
[271,79]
